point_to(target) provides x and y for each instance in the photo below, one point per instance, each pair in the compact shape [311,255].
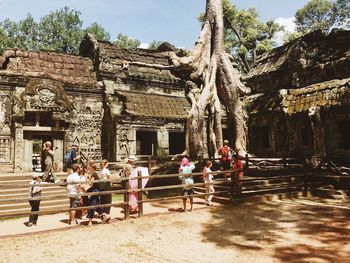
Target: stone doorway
[176,142]
[146,143]
[33,142]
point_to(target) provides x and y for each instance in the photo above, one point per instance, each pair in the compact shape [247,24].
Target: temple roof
[133,55]
[324,95]
[311,59]
[131,64]
[154,105]
[70,69]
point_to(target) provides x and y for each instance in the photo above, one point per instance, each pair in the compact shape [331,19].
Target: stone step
[25,211]
[44,203]
[23,197]
[293,188]
[250,187]
[25,176]
[261,181]
[271,195]
[24,190]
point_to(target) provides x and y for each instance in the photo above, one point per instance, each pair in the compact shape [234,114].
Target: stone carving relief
[41,94]
[87,128]
[124,141]
[5,114]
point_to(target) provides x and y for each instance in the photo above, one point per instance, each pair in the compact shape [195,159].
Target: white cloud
[288,23]
[144,45]
[289,26]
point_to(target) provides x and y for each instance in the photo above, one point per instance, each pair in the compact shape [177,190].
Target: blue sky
[166,20]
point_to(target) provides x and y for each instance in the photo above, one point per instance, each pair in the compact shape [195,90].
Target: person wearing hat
[34,192]
[127,172]
[48,155]
[73,157]
[129,166]
[226,156]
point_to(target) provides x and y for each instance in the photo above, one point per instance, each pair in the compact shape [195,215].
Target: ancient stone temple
[47,96]
[114,102]
[300,104]
[145,107]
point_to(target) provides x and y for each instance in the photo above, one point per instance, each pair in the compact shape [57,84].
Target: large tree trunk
[216,82]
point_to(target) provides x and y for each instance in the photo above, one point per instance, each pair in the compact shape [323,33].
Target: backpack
[68,157]
[226,153]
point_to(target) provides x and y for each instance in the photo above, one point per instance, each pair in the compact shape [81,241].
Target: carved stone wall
[5,112]
[125,141]
[19,147]
[86,125]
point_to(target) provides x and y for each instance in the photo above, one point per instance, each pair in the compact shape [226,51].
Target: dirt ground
[291,230]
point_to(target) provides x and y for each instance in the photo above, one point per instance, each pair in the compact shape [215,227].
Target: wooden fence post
[246,166]
[126,200]
[139,186]
[149,165]
[306,185]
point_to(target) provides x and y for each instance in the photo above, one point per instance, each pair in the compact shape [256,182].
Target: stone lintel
[45,129]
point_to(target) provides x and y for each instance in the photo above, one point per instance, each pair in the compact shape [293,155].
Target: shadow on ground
[290,231]
[328,227]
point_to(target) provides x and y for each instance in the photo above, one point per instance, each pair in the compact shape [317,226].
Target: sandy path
[283,231]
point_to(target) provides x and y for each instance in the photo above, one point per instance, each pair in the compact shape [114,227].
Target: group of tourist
[228,160]
[82,186]
[85,190]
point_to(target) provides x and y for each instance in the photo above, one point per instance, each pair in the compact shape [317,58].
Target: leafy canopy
[245,35]
[323,15]
[154,44]
[123,41]
[61,30]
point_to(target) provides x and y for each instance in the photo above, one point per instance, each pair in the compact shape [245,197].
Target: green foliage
[290,36]
[124,41]
[245,35]
[8,34]
[154,44]
[98,31]
[341,13]
[316,14]
[323,15]
[61,31]
[37,146]
[28,33]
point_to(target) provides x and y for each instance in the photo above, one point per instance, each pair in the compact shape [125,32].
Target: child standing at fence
[187,180]
[237,177]
[208,180]
[34,192]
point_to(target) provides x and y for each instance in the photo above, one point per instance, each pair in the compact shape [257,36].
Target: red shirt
[238,165]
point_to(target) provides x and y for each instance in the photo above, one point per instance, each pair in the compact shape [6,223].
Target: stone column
[19,147]
[58,150]
[318,132]
[27,153]
[163,143]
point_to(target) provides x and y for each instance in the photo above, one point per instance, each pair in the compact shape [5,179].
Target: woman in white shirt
[105,186]
[208,180]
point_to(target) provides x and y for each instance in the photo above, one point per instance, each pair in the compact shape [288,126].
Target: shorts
[226,165]
[187,192]
[74,202]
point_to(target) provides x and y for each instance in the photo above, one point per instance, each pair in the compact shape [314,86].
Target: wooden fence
[125,192]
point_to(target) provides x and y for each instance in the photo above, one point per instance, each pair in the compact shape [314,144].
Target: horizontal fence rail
[139,190]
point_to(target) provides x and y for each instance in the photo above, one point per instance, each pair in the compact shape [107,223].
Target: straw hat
[132,158]
[36,175]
